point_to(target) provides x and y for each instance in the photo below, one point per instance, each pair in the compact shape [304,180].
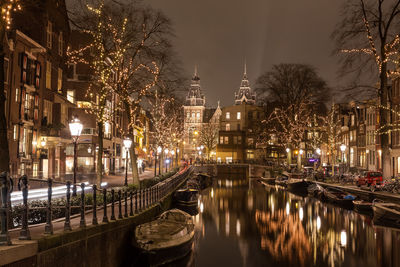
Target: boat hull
[385,215]
[299,187]
[337,199]
[363,207]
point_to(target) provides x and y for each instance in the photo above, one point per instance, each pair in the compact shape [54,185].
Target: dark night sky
[218,34]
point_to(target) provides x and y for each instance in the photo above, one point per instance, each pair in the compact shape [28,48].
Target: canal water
[244,223]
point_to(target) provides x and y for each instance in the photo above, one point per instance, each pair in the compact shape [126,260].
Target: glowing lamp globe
[75,127]
[127,143]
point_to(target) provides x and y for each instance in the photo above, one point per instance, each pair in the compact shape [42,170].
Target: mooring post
[48,229]
[119,204]
[5,191]
[105,216]
[24,233]
[82,223]
[94,206]
[67,224]
[136,201]
[131,204]
[112,205]
[126,204]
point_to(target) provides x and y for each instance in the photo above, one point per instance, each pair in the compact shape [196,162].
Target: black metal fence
[127,202]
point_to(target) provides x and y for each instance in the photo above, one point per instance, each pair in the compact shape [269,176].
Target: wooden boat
[204,180]
[362,206]
[268,180]
[314,190]
[166,239]
[282,181]
[298,186]
[339,198]
[186,197]
[387,214]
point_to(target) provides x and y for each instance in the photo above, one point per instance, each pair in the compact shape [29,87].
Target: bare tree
[367,40]
[208,136]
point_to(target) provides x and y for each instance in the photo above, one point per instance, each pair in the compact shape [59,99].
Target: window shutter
[37,74]
[24,66]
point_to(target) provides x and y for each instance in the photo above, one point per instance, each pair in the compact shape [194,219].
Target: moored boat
[298,186]
[362,206]
[387,214]
[166,239]
[339,198]
[186,197]
[268,180]
[314,190]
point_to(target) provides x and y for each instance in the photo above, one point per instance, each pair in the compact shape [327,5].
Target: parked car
[370,178]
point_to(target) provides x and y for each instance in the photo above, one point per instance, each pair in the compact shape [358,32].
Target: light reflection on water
[243,223]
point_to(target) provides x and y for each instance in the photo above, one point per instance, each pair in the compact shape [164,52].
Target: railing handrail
[143,198]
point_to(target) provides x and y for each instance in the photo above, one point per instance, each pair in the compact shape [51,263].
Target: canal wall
[106,244]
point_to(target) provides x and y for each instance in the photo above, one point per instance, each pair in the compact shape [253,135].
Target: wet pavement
[244,223]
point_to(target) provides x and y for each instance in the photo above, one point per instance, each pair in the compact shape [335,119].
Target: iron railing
[129,203]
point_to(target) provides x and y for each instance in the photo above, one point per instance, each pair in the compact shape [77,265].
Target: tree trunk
[4,152]
[99,167]
[383,116]
[135,173]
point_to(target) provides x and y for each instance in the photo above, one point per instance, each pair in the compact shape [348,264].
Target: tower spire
[245,68]
[195,70]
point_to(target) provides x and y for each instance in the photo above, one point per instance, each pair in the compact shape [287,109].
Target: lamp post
[177,157]
[289,156]
[75,127]
[159,150]
[299,159]
[172,160]
[127,145]
[343,149]
[166,156]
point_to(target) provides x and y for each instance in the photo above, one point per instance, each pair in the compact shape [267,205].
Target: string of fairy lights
[6,10]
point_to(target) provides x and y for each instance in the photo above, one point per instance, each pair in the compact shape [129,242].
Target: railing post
[131,206]
[146,198]
[140,200]
[136,201]
[105,216]
[143,199]
[119,204]
[94,206]
[151,195]
[24,234]
[82,223]
[126,203]
[112,205]
[48,229]
[67,224]
[5,191]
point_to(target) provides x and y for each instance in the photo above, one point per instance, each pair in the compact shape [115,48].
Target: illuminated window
[59,80]
[221,139]
[228,115]
[226,140]
[238,115]
[71,96]
[227,127]
[15,132]
[48,75]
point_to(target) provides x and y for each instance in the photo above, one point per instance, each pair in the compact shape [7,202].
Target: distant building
[237,140]
[196,114]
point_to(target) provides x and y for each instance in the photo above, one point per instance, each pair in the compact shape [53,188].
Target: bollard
[67,224]
[136,201]
[105,218]
[140,201]
[94,207]
[112,205]
[131,204]
[119,204]
[5,191]
[48,229]
[82,223]
[126,204]
[24,233]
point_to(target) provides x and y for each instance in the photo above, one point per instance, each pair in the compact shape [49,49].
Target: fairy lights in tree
[7,7]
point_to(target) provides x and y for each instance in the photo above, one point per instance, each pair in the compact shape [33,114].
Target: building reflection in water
[269,226]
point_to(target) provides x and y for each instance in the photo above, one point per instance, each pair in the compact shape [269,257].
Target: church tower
[245,95]
[194,114]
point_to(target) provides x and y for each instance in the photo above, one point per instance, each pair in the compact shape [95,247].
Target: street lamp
[127,145]
[43,142]
[318,150]
[159,149]
[75,127]
[172,161]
